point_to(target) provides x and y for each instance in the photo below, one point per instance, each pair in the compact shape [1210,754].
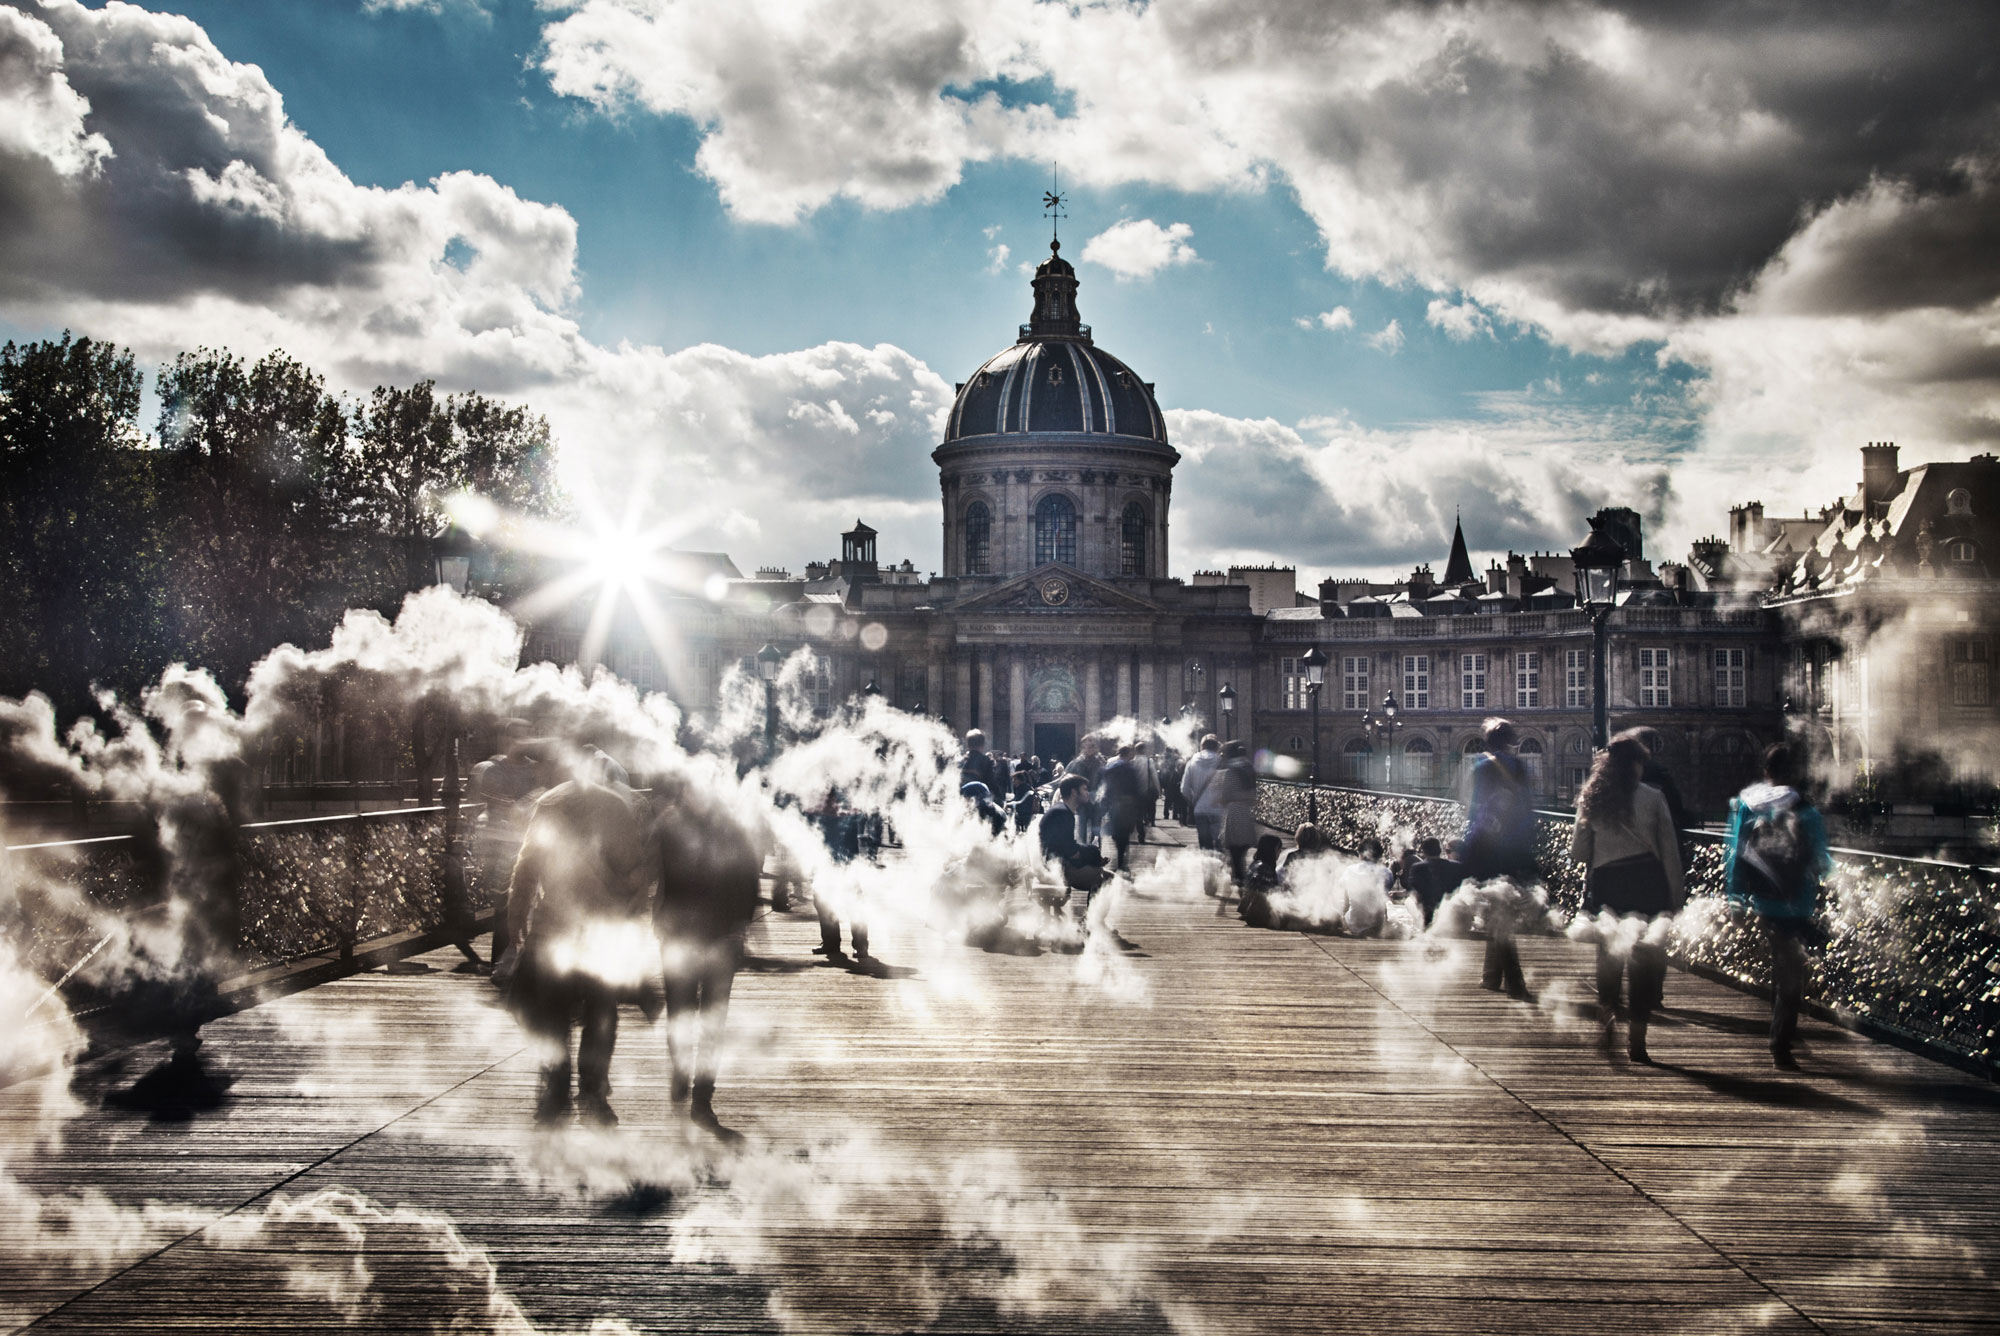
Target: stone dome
[1053,379]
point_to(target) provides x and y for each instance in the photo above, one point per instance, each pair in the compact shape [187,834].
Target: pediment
[1052,589]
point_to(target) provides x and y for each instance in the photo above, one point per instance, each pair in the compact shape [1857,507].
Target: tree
[79,545]
[262,479]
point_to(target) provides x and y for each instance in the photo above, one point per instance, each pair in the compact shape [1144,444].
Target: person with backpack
[1625,836]
[1778,858]
[1500,844]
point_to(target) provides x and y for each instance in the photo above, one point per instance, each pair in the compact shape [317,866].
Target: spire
[1458,569]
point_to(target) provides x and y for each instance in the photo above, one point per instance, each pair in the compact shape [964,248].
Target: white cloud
[1389,338]
[996,257]
[1140,248]
[1459,322]
[427,6]
[1606,173]
[41,115]
[1337,319]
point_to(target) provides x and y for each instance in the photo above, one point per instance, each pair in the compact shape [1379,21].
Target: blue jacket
[1765,799]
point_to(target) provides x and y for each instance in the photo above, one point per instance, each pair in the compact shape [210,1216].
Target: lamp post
[1314,660]
[768,659]
[1197,672]
[1381,724]
[1597,562]
[1226,699]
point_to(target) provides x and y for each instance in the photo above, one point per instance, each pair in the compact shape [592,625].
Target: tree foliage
[265,507]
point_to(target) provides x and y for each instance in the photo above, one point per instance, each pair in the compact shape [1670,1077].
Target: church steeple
[1458,569]
[1055,299]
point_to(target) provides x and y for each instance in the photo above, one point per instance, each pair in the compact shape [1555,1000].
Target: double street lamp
[1597,564]
[1381,724]
[1315,666]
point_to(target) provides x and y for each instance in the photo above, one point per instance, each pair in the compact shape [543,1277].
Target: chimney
[1746,527]
[1517,575]
[1496,579]
[1878,474]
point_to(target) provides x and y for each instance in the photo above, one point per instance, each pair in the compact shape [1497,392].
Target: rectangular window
[1354,682]
[817,682]
[1656,688]
[1730,689]
[1969,669]
[1416,681]
[1292,684]
[1472,681]
[1576,679]
[1528,680]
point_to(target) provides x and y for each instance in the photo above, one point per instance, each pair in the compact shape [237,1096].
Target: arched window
[1355,756]
[978,538]
[1132,540]
[1055,530]
[1417,762]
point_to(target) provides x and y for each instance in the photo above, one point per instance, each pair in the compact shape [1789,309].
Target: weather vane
[1052,206]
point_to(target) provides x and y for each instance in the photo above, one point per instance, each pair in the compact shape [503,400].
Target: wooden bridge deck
[1239,1131]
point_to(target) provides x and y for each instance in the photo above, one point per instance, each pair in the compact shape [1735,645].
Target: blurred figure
[841,829]
[506,786]
[1149,786]
[1199,794]
[1778,860]
[1311,845]
[1262,878]
[1236,785]
[580,889]
[977,764]
[1123,789]
[1088,765]
[1661,778]
[1500,842]
[705,863]
[1625,836]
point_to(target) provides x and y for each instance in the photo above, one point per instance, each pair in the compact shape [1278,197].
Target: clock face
[1055,592]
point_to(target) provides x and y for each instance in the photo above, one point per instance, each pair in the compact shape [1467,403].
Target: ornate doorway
[1055,742]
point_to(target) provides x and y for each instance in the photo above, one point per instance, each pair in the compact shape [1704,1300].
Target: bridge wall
[1915,949]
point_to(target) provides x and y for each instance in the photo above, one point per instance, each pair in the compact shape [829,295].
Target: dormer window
[1962,550]
[1959,502]
[1055,375]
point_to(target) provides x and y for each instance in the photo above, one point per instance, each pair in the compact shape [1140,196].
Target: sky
[1387,264]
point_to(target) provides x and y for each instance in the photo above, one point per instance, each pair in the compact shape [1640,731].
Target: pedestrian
[1500,845]
[1237,785]
[705,862]
[1121,790]
[1433,877]
[1661,778]
[1778,859]
[1202,798]
[579,887]
[505,786]
[1625,836]
[984,807]
[841,829]
[977,764]
[1149,787]
[1089,766]
[1082,864]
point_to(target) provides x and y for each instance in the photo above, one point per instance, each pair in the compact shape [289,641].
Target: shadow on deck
[1222,1129]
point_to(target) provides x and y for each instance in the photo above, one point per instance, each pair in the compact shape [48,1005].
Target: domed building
[1055,453]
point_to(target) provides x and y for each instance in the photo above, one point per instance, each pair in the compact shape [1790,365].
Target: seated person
[1262,879]
[1311,844]
[1082,865]
[1433,877]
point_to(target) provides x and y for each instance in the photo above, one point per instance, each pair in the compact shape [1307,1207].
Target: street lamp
[1381,723]
[452,549]
[1196,671]
[1597,562]
[768,660]
[1315,666]
[1226,699]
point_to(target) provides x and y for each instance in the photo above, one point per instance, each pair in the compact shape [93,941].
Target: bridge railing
[309,887]
[1915,948]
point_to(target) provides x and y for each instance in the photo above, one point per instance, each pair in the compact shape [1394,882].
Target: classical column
[1093,695]
[986,695]
[1147,709]
[1246,696]
[961,696]
[1017,704]
[934,684]
[1123,704]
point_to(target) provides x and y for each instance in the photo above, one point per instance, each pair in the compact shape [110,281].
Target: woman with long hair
[1625,835]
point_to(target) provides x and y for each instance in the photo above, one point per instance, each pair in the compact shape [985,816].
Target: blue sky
[738,247]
